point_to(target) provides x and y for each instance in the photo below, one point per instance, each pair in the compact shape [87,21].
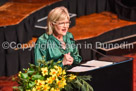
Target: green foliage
[41,77]
[79,84]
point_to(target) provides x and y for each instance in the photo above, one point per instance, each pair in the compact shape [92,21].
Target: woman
[57,43]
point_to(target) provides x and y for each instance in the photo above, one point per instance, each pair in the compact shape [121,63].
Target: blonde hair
[58,13]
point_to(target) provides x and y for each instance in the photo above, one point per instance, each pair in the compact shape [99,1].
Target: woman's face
[61,27]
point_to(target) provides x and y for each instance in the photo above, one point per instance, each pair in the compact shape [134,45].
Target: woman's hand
[68,60]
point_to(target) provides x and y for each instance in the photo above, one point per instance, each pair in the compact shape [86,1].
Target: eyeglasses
[61,24]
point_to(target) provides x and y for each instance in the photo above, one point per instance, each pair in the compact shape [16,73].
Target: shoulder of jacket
[43,38]
[69,35]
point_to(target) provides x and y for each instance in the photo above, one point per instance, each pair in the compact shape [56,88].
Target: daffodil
[61,83]
[63,78]
[34,89]
[56,67]
[19,74]
[63,72]
[38,88]
[52,89]
[44,71]
[59,71]
[28,90]
[72,77]
[57,81]
[50,80]
[46,87]
[40,82]
[57,89]
[53,72]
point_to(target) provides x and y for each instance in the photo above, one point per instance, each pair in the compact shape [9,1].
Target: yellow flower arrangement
[48,76]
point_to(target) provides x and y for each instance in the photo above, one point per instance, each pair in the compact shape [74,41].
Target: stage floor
[96,24]
[12,13]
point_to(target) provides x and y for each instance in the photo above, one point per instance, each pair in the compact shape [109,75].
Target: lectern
[114,76]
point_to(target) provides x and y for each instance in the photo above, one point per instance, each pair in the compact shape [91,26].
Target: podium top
[90,65]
